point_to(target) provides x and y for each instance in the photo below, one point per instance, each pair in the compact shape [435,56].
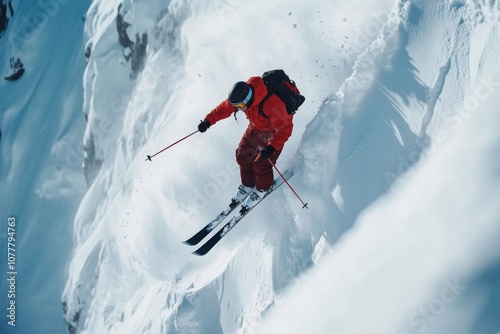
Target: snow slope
[423,257]
[394,150]
[41,179]
[132,229]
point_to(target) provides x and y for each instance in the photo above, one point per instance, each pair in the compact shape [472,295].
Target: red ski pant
[254,170]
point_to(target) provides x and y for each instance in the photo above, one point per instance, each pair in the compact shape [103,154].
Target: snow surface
[395,149]
[41,178]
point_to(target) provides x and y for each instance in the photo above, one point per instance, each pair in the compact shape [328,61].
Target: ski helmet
[241,94]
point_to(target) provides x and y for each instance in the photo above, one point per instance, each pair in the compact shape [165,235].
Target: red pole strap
[169,146]
[304,205]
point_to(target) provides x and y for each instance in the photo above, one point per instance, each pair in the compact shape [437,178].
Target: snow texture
[395,150]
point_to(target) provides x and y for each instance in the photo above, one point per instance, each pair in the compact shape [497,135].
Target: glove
[267,152]
[203,126]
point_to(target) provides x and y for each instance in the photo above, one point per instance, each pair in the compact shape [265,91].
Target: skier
[269,128]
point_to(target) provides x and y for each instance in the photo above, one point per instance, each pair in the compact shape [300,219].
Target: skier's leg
[245,155]
[263,171]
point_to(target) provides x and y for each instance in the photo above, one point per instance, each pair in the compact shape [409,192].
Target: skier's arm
[222,111]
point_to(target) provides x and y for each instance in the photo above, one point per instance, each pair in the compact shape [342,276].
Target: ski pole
[304,205]
[169,146]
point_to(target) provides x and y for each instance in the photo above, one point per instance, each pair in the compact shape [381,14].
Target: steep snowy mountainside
[130,224]
[422,258]
[395,149]
[384,123]
[384,81]
[41,180]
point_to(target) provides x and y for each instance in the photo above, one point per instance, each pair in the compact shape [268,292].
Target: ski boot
[242,193]
[255,197]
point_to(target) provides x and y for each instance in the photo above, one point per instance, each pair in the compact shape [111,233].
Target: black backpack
[278,83]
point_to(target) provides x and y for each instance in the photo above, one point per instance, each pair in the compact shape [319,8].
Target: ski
[195,239]
[206,247]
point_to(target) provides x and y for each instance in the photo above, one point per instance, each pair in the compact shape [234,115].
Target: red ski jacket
[278,120]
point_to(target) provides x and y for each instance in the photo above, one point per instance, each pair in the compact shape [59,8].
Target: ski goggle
[239,105]
[242,104]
